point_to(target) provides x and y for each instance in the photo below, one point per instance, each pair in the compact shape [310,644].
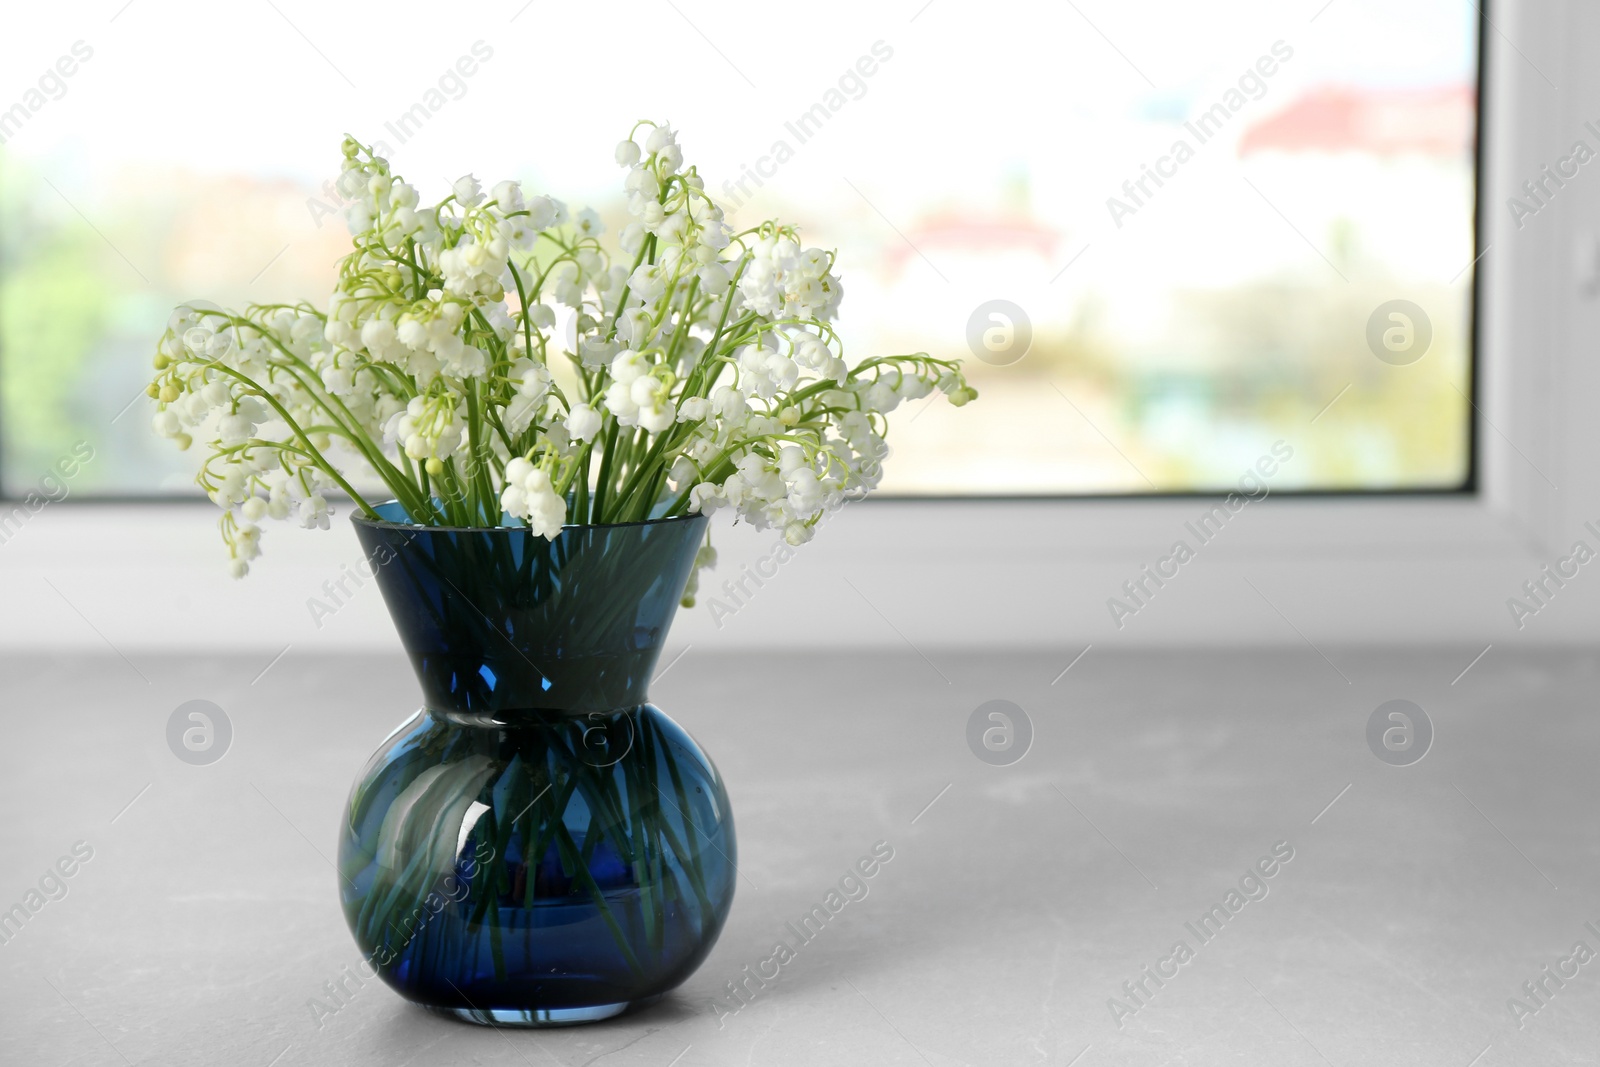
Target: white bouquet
[486,361]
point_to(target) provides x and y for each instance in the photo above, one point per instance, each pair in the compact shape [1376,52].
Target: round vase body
[539,844]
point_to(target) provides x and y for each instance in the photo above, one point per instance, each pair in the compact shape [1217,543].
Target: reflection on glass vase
[539,844]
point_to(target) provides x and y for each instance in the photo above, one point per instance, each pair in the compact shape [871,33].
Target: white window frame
[1297,571]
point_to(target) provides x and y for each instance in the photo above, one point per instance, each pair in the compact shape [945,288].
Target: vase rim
[386,524]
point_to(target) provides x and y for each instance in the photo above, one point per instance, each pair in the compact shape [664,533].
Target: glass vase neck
[500,620]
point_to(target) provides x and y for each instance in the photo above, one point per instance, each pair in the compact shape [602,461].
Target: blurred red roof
[1431,122]
[975,232]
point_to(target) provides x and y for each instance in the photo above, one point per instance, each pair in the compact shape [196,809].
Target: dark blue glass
[539,844]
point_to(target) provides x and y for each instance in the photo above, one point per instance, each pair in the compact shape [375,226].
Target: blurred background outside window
[1189,306]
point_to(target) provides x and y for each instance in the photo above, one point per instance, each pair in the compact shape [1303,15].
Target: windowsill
[880,575]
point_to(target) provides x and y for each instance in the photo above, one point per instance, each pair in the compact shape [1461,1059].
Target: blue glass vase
[538,845]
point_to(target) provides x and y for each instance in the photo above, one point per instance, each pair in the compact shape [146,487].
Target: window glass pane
[1204,211]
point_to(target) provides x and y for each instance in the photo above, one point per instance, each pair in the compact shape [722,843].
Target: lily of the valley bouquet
[486,361]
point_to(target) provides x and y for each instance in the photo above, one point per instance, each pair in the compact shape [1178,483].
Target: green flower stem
[320,460]
[481,458]
[569,854]
[527,320]
[312,384]
[683,321]
[541,831]
[579,476]
[647,248]
[607,454]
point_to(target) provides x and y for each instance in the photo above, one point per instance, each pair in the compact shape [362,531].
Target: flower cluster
[485,361]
